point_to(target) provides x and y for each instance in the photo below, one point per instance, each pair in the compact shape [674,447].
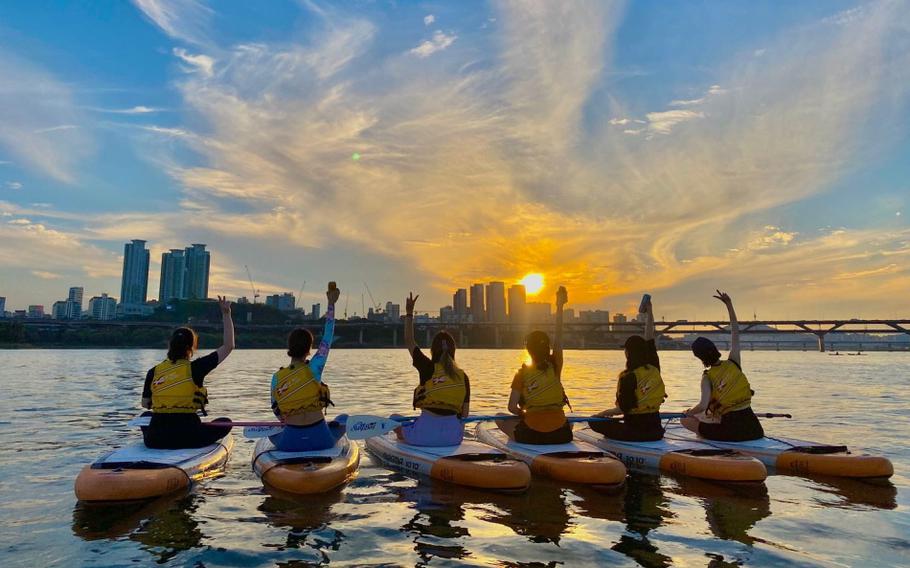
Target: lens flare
[533,282]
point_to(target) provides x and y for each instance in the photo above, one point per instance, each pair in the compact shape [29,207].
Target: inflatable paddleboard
[137,472]
[800,456]
[305,473]
[680,457]
[470,463]
[575,462]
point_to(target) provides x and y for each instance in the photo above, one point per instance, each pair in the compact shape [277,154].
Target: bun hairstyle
[704,349]
[538,345]
[183,344]
[442,351]
[299,343]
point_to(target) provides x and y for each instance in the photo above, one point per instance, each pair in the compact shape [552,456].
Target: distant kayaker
[299,395]
[174,390]
[639,390]
[443,394]
[726,397]
[537,396]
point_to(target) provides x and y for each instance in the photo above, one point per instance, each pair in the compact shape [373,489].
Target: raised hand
[562,296]
[409,303]
[224,305]
[724,297]
[332,293]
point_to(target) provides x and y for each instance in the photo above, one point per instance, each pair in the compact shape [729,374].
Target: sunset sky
[616,148]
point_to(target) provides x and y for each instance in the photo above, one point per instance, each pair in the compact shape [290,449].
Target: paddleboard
[680,457]
[305,473]
[137,472]
[799,456]
[575,462]
[470,463]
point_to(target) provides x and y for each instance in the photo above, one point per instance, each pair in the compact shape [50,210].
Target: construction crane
[346,298]
[300,292]
[372,299]
[252,286]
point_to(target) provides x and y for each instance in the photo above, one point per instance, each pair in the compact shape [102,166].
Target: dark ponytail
[442,351]
[538,345]
[300,341]
[183,344]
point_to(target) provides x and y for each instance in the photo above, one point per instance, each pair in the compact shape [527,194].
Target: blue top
[317,362]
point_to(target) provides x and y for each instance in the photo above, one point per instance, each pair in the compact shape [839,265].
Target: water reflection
[164,527]
[854,493]
[308,517]
[731,509]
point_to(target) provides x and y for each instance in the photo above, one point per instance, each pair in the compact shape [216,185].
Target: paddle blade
[139,421]
[261,431]
[361,427]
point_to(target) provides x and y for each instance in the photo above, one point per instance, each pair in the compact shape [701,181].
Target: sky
[616,148]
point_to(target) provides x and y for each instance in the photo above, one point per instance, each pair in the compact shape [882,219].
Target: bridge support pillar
[360,336]
[394,336]
[496,338]
[429,339]
[582,341]
[460,335]
[821,342]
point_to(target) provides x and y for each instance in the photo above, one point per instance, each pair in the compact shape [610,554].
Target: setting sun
[533,282]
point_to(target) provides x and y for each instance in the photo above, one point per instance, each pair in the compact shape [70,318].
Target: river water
[61,409]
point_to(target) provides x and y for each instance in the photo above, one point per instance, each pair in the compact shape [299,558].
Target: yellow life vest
[730,390]
[541,390]
[296,391]
[173,389]
[442,391]
[649,390]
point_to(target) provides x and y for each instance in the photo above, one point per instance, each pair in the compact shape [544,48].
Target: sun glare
[533,282]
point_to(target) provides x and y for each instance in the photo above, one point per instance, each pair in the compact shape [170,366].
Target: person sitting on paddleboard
[444,393]
[725,391]
[174,390]
[299,396]
[537,396]
[639,390]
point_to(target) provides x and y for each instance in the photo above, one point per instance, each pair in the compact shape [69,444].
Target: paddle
[146,420]
[672,415]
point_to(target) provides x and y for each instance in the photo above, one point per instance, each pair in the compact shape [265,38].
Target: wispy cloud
[138,109]
[13,185]
[45,275]
[186,20]
[439,42]
[198,63]
[429,19]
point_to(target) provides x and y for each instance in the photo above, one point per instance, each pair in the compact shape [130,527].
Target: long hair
[300,341]
[183,344]
[538,345]
[442,351]
[637,354]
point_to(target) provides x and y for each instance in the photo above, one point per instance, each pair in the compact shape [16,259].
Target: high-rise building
[496,302]
[102,307]
[284,302]
[619,318]
[517,302]
[477,306]
[198,262]
[316,312]
[568,315]
[2,306]
[36,311]
[73,309]
[594,316]
[447,314]
[58,311]
[135,280]
[173,276]
[392,312]
[538,312]
[460,304]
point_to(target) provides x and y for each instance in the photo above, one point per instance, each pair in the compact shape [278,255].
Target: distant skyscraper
[446,314]
[284,302]
[477,305]
[496,302]
[619,318]
[594,316]
[392,312]
[568,315]
[517,302]
[538,312]
[73,309]
[315,314]
[135,280]
[102,307]
[173,276]
[197,272]
[460,304]
[36,311]
[58,311]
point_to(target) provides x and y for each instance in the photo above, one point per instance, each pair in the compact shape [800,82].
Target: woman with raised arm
[726,397]
[174,390]
[443,394]
[639,390]
[300,396]
[537,396]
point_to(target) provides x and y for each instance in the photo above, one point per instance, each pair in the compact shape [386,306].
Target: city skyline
[362,144]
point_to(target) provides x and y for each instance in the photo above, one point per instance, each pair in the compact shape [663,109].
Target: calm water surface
[61,409]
